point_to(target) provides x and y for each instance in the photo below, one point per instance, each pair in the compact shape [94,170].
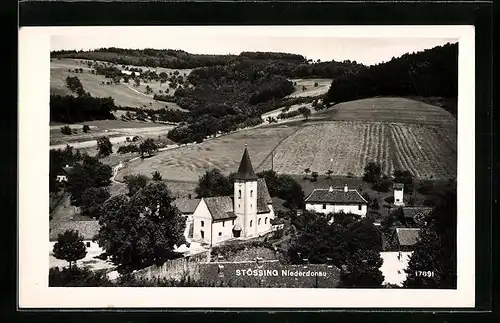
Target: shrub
[66,130]
[389,199]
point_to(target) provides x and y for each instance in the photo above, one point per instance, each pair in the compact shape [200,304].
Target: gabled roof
[245,171]
[185,205]
[336,196]
[220,207]
[407,236]
[411,212]
[88,229]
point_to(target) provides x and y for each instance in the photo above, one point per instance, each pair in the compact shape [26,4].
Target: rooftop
[185,205]
[407,236]
[88,229]
[245,171]
[350,196]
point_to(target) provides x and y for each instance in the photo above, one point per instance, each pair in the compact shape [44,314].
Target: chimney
[330,189]
[345,188]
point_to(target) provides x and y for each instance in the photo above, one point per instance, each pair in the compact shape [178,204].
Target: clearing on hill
[124,94]
[306,87]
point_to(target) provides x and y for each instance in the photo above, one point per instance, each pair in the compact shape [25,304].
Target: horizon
[311,43]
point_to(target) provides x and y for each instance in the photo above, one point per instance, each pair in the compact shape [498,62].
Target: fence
[175,269]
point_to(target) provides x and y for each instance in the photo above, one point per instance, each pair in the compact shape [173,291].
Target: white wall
[246,207]
[331,208]
[225,228]
[201,213]
[398,197]
[393,266]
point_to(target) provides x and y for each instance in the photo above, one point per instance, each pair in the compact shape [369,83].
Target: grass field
[123,94]
[310,90]
[189,162]
[414,136]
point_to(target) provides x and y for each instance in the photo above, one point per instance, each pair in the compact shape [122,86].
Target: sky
[326,44]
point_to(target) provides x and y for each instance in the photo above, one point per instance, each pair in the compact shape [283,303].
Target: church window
[265,220]
[202,223]
[251,221]
[88,244]
[258,222]
[202,234]
[251,193]
[324,206]
[220,233]
[223,223]
[233,222]
[250,205]
[239,194]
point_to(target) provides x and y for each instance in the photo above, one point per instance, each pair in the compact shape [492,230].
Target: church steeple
[245,171]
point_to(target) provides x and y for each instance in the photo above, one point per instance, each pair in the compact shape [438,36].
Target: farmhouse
[247,213]
[332,200]
[87,229]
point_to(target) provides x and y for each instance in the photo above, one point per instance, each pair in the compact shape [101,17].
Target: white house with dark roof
[247,213]
[187,206]
[332,200]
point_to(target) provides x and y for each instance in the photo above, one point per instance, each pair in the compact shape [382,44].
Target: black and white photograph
[225,160]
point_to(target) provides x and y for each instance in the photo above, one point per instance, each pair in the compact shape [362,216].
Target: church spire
[245,171]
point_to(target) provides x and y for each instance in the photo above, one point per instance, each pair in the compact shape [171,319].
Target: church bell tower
[245,197]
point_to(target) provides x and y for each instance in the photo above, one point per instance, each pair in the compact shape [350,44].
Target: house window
[251,193]
[265,221]
[258,222]
[233,222]
[220,233]
[239,194]
[202,223]
[202,234]
[223,223]
[397,200]
[359,207]
[251,221]
[88,244]
[324,206]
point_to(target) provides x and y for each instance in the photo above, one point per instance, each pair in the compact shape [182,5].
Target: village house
[187,206]
[332,200]
[247,213]
[87,229]
[398,189]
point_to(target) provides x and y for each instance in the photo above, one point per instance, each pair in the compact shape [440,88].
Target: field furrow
[401,151]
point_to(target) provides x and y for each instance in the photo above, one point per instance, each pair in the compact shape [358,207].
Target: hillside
[398,133]
[429,73]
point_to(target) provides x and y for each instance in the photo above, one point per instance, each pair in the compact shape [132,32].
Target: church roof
[335,196]
[245,171]
[185,205]
[220,207]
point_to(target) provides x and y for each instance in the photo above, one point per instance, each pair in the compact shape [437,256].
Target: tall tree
[373,172]
[104,147]
[69,247]
[362,270]
[148,146]
[89,173]
[92,201]
[143,230]
[135,183]
[214,183]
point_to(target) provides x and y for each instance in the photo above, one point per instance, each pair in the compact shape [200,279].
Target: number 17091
[420,273]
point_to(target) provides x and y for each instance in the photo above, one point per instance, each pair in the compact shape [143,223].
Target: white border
[34,49]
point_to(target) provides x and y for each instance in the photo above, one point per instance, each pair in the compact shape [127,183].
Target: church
[246,214]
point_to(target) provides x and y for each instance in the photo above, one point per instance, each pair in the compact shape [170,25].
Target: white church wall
[202,221]
[222,230]
[245,207]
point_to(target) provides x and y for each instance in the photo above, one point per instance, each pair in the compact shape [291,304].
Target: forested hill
[430,73]
[285,64]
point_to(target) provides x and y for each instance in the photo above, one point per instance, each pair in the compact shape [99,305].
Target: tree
[66,130]
[149,90]
[405,177]
[362,270]
[307,171]
[137,82]
[306,112]
[272,181]
[329,174]
[142,230]
[214,183]
[135,183]
[373,172]
[89,173]
[86,128]
[290,191]
[92,200]
[148,146]
[69,247]
[104,147]
[314,176]
[157,176]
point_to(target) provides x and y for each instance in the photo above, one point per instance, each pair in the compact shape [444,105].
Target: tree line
[70,109]
[432,72]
